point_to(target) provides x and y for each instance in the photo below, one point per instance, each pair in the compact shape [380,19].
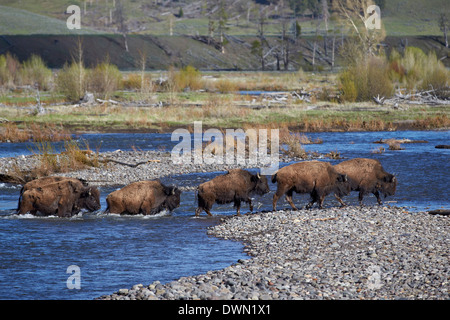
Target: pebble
[351,253]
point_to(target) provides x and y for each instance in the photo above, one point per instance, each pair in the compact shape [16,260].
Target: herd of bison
[65,197]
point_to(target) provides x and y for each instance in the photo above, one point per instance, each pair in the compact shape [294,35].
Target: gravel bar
[350,253]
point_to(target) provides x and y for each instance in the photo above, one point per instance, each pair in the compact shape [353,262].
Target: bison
[235,186]
[64,197]
[314,177]
[367,176]
[44,181]
[143,197]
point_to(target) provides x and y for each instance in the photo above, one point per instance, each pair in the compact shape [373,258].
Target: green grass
[401,18]
[14,21]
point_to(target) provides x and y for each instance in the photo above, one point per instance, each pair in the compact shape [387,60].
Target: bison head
[172,200]
[388,185]
[90,199]
[261,185]
[343,185]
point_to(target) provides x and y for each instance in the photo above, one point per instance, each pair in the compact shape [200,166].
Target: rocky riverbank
[120,167]
[351,253]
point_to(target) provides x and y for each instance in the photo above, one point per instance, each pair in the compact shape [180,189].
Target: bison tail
[20,200]
[196,197]
[274,178]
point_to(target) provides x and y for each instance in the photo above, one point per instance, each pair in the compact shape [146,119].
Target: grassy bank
[218,102]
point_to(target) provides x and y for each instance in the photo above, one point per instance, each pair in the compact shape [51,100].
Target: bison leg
[237,204]
[250,205]
[289,199]
[377,194]
[360,197]
[199,210]
[277,195]
[340,200]
[321,199]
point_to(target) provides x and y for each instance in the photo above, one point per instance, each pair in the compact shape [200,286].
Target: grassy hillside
[15,21]
[413,17]
[400,17]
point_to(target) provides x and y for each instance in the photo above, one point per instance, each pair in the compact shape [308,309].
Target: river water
[116,252]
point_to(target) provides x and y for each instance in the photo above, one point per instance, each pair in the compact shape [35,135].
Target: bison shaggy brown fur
[64,197]
[367,176]
[235,186]
[316,178]
[143,197]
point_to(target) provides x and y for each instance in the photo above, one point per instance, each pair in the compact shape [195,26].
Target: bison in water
[143,197]
[314,177]
[367,176]
[58,196]
[235,186]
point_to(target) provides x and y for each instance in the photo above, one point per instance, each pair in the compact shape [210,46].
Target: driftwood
[392,140]
[423,97]
[129,164]
[443,146]
[443,212]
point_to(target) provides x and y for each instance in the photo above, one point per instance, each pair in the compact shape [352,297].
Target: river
[116,252]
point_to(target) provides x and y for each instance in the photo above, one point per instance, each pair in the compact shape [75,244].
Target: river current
[114,252]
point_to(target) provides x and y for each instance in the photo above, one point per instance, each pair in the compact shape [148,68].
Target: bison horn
[172,192]
[258,175]
[345,178]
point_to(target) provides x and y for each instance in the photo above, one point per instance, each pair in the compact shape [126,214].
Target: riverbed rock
[350,253]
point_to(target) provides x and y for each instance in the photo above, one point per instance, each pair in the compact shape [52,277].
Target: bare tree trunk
[125,41]
[445,36]
[332,52]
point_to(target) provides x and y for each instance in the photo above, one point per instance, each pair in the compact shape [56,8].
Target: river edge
[350,253]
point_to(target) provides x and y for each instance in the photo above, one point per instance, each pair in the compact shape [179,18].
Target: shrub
[366,78]
[104,79]
[34,71]
[9,70]
[187,77]
[137,82]
[419,71]
[226,86]
[348,88]
[71,81]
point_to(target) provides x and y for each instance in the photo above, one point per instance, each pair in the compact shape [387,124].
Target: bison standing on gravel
[143,197]
[63,197]
[367,176]
[314,177]
[235,186]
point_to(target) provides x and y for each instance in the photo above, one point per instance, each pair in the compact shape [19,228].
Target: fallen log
[129,164]
[442,212]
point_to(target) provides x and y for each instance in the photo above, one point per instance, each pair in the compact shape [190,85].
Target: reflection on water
[115,252]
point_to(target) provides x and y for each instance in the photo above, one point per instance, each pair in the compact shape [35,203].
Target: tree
[222,23]
[444,26]
[120,18]
[355,14]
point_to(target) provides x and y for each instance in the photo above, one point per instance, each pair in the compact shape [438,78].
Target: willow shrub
[104,80]
[35,72]
[366,78]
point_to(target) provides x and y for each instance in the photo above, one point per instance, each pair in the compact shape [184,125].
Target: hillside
[158,17]
[178,32]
